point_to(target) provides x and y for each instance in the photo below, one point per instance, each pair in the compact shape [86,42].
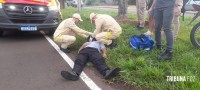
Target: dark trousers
[89,54]
[163,19]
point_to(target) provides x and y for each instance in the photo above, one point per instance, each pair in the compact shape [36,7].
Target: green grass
[141,68]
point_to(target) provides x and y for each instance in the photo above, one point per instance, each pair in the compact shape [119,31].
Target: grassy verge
[141,68]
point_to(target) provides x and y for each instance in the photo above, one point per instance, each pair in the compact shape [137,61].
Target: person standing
[90,51]
[163,15]
[67,30]
[106,30]
[140,6]
[175,21]
[151,19]
[177,13]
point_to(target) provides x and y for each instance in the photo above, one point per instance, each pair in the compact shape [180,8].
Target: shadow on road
[21,36]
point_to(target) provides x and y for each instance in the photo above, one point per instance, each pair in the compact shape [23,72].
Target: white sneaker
[148,33]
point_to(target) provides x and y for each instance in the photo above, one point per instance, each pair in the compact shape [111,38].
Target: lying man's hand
[104,56]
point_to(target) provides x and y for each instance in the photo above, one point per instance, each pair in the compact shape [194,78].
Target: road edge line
[89,82]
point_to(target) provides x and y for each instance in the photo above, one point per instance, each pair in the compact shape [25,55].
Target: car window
[193,2]
[196,1]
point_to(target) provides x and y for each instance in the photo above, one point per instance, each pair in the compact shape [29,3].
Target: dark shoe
[69,75]
[159,47]
[138,27]
[112,45]
[65,50]
[111,73]
[167,55]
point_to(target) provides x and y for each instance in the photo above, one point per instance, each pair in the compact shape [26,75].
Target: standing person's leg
[167,26]
[142,12]
[137,8]
[151,26]
[176,26]
[158,18]
[140,5]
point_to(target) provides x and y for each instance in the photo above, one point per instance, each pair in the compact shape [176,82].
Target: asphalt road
[29,62]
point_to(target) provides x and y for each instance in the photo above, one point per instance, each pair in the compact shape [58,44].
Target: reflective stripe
[104,41]
[59,38]
[109,35]
[56,38]
[114,34]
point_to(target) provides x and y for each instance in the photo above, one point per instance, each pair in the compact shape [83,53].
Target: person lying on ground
[96,53]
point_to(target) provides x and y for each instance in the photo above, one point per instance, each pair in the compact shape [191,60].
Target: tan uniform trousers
[65,40]
[176,23]
[106,37]
[176,26]
[141,6]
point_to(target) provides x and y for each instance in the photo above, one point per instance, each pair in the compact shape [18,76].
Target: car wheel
[50,32]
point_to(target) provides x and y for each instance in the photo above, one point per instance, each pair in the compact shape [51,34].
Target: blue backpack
[141,41]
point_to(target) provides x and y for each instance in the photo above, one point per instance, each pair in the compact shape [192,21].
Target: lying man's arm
[104,52]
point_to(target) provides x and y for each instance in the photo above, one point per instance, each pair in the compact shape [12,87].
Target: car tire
[50,32]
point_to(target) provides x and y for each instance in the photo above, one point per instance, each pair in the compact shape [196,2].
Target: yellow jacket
[68,27]
[106,23]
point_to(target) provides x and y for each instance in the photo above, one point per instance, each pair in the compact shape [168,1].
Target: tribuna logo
[180,78]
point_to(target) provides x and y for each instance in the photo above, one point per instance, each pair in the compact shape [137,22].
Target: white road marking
[83,76]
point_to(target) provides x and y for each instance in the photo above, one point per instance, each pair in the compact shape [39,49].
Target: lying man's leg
[101,66]
[77,69]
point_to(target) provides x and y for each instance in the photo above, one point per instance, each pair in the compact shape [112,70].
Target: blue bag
[141,41]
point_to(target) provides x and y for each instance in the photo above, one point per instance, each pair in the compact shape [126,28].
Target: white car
[188,5]
[73,3]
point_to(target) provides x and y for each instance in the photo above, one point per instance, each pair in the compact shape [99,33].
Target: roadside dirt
[128,21]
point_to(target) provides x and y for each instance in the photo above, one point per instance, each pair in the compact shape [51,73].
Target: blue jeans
[163,19]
